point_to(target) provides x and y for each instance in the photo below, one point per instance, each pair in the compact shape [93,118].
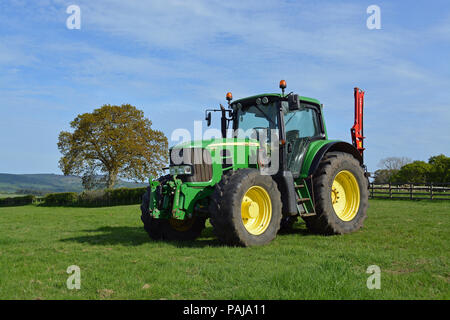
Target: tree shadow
[129,236]
[135,236]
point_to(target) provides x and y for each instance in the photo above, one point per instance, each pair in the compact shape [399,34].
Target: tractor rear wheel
[245,208]
[341,195]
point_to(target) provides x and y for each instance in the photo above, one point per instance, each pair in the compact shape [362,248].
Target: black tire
[183,230]
[225,208]
[326,220]
[151,225]
[176,230]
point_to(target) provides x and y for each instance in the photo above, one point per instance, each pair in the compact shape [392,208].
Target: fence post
[431,190]
[411,191]
[372,189]
[390,190]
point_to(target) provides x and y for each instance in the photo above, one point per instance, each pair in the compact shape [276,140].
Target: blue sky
[173,59]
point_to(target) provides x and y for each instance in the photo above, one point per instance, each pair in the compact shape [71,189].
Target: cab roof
[278,95]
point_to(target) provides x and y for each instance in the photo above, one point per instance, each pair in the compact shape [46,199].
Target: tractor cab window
[302,123]
[256,120]
[299,125]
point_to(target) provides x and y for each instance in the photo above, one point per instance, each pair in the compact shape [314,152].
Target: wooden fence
[411,191]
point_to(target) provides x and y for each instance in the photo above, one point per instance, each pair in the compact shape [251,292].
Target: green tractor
[277,165]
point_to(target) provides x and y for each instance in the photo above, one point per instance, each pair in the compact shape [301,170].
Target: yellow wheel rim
[345,195]
[181,225]
[256,210]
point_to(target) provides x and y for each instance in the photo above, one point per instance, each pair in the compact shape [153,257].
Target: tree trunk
[112,177]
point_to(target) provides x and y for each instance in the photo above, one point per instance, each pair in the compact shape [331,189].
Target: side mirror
[208,119]
[294,102]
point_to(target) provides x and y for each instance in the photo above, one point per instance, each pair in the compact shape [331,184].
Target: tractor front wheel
[170,229]
[245,208]
[183,230]
[151,225]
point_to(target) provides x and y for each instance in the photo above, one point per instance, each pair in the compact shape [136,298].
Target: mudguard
[333,146]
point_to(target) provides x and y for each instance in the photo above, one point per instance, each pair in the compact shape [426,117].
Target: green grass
[409,240]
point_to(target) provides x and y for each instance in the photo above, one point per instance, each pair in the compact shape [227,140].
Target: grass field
[408,240]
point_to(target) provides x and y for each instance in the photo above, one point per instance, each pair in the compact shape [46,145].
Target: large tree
[394,163]
[414,172]
[389,168]
[440,169]
[113,141]
[382,176]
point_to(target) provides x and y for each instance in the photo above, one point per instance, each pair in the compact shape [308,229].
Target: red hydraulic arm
[357,131]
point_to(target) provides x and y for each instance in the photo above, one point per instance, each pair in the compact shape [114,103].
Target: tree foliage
[113,141]
[389,168]
[437,170]
[414,172]
[383,176]
[394,163]
[440,169]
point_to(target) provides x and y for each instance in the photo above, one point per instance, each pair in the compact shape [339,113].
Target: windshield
[256,118]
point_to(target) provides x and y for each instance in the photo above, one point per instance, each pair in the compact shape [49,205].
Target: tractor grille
[200,159]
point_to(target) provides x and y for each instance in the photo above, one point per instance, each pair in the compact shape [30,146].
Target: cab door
[301,126]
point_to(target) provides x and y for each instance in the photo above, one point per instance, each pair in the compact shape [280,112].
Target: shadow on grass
[131,236]
[299,228]
[135,236]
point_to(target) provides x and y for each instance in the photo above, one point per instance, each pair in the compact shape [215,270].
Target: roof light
[229,96]
[282,86]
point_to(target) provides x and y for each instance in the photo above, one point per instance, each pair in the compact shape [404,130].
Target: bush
[61,199]
[125,195]
[92,198]
[17,201]
[109,197]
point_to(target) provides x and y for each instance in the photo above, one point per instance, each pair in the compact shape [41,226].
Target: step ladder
[305,205]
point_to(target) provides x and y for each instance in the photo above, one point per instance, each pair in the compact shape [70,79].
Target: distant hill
[46,183]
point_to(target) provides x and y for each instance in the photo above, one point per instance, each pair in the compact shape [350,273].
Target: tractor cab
[287,122]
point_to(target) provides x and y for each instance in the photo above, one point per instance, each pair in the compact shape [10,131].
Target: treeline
[35,192]
[17,201]
[404,170]
[92,198]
